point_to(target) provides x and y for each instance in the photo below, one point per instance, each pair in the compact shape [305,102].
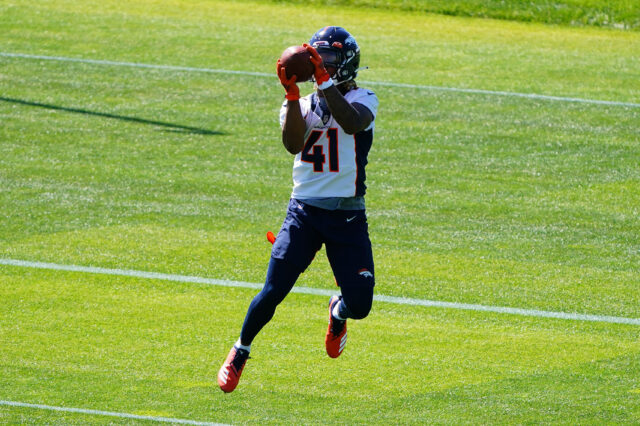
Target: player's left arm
[352,117]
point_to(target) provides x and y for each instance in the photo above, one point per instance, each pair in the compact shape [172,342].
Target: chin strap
[351,79]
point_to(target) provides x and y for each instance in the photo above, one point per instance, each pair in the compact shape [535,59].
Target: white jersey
[332,162]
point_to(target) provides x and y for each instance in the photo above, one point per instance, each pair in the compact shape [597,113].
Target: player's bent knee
[360,313]
[359,307]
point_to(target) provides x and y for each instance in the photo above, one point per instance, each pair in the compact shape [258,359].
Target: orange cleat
[230,372]
[336,337]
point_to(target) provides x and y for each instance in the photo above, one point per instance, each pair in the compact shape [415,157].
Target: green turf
[473,198]
[621,14]
[145,347]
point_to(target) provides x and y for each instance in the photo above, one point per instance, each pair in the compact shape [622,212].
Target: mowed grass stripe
[107,413]
[375,83]
[321,292]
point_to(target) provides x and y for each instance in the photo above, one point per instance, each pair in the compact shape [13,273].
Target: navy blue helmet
[339,50]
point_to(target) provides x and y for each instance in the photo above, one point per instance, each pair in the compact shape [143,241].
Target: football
[296,60]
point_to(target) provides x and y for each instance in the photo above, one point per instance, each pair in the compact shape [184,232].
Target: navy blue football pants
[346,238]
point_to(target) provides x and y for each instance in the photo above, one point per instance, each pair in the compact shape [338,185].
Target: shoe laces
[240,358]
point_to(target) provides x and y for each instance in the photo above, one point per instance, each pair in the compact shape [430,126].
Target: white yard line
[321,292]
[105,413]
[272,75]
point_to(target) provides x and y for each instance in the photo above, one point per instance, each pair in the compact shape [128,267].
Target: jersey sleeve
[311,119]
[283,112]
[368,99]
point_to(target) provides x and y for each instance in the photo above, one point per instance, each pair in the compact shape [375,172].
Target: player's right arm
[294,126]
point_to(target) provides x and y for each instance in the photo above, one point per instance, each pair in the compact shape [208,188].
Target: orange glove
[323,79]
[289,84]
[271,237]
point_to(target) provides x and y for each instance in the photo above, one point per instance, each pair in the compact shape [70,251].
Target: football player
[330,133]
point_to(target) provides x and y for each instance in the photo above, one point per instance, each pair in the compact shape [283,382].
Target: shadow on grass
[171,126]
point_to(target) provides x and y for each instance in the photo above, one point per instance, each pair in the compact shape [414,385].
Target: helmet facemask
[344,61]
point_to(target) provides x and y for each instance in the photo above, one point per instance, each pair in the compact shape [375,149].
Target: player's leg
[281,276]
[351,259]
[294,249]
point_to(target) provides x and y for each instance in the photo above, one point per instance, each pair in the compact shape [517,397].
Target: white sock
[239,345]
[336,312]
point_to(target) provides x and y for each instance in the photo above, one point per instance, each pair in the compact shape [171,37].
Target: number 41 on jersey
[312,153]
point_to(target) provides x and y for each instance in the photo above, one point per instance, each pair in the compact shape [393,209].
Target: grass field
[606,13]
[486,198]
